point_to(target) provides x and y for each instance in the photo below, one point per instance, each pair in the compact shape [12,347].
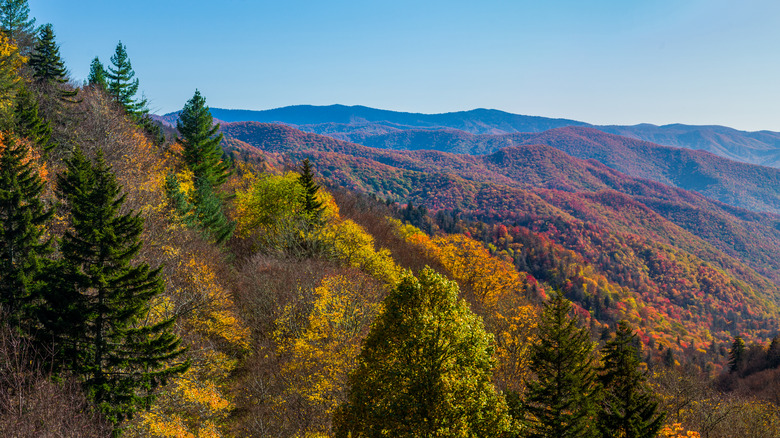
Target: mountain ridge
[341,121]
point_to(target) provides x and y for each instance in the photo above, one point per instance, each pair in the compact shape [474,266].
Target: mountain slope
[688,264]
[354,123]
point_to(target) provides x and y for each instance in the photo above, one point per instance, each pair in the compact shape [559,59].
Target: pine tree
[561,401]
[28,122]
[200,138]
[737,355]
[122,85]
[424,369]
[45,61]
[98,77]
[311,205]
[98,300]
[15,18]
[628,407]
[22,216]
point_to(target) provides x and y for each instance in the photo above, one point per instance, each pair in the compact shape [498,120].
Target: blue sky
[603,62]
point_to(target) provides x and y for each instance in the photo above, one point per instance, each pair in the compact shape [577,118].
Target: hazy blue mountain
[359,124]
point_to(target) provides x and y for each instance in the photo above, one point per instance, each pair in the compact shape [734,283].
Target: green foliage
[28,121]
[628,407]
[123,85]
[46,63]
[424,369]
[311,205]
[98,300]
[561,400]
[178,200]
[15,18]
[98,76]
[737,355]
[207,211]
[22,217]
[200,138]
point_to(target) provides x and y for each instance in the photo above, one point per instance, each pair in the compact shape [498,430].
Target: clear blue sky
[603,62]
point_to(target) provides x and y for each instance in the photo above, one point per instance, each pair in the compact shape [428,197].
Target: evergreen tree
[737,355]
[123,85]
[561,401]
[45,61]
[207,212]
[15,18]
[628,407]
[28,122]
[178,199]
[98,77]
[200,138]
[97,303]
[773,353]
[22,216]
[312,207]
[424,369]
[47,66]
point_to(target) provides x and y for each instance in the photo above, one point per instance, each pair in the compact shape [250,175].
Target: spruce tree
[737,355]
[312,207]
[22,217]
[15,18]
[425,369]
[123,85]
[98,77]
[561,400]
[200,139]
[99,299]
[628,407]
[45,61]
[208,214]
[28,122]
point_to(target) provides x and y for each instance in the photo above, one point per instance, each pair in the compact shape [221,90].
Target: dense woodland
[172,282]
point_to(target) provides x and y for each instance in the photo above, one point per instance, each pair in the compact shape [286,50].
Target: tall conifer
[200,139]
[29,123]
[311,205]
[45,61]
[123,85]
[22,216]
[561,401]
[96,307]
[15,18]
[628,407]
[97,74]
[737,355]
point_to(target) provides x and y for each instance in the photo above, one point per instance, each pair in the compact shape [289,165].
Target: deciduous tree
[424,369]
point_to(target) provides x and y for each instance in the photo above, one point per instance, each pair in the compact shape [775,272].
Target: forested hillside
[169,281]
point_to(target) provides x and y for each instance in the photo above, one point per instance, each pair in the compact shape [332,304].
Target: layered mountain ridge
[359,123]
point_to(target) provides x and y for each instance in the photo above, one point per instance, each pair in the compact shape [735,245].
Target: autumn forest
[181,276]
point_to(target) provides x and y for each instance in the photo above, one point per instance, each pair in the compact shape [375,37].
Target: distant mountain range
[706,264]
[383,128]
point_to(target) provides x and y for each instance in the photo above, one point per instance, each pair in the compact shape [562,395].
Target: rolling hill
[359,123]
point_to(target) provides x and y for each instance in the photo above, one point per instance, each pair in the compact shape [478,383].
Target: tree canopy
[424,369]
